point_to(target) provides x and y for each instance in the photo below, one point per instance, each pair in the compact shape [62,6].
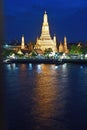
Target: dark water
[46,97]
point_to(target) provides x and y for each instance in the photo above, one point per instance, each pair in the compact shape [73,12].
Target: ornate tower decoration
[45,41]
[54,39]
[22,42]
[65,45]
[61,47]
[45,34]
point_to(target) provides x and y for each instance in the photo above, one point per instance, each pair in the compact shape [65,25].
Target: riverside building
[45,41]
[63,47]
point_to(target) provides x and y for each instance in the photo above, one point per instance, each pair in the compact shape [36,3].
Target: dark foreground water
[46,97]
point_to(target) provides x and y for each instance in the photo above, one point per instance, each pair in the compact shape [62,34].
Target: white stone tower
[45,33]
[45,41]
[22,42]
[61,47]
[54,39]
[65,45]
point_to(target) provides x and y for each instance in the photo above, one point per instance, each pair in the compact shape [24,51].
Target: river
[45,97]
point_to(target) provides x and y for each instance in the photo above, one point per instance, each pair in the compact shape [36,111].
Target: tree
[34,53]
[48,50]
[76,49]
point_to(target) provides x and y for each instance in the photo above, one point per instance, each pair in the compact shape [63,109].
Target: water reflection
[46,100]
[23,66]
[11,66]
[81,67]
[39,69]
[30,66]
[64,67]
[54,99]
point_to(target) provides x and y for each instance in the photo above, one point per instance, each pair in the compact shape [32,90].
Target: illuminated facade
[63,47]
[22,43]
[45,41]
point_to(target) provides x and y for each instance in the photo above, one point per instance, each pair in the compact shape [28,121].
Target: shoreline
[46,61]
[34,61]
[75,61]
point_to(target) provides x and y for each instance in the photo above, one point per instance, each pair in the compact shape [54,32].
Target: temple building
[63,47]
[45,41]
[22,42]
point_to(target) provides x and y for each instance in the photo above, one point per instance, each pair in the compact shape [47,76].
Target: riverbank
[75,61]
[35,61]
[46,61]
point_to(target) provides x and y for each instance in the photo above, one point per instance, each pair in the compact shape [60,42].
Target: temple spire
[45,41]
[54,38]
[65,40]
[45,34]
[65,45]
[45,18]
[22,42]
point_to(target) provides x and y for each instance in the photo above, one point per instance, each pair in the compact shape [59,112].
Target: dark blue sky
[66,17]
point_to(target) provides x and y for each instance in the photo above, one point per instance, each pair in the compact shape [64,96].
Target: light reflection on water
[30,66]
[11,66]
[39,69]
[46,97]
[46,103]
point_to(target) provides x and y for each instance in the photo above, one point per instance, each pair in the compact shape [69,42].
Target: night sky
[66,18]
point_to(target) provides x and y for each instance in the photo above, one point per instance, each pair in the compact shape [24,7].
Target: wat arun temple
[45,41]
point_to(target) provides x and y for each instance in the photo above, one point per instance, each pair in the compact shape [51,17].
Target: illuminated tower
[61,48]
[22,42]
[65,45]
[54,38]
[79,44]
[45,34]
[45,41]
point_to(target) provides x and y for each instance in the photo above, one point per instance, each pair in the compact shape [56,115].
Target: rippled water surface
[46,97]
